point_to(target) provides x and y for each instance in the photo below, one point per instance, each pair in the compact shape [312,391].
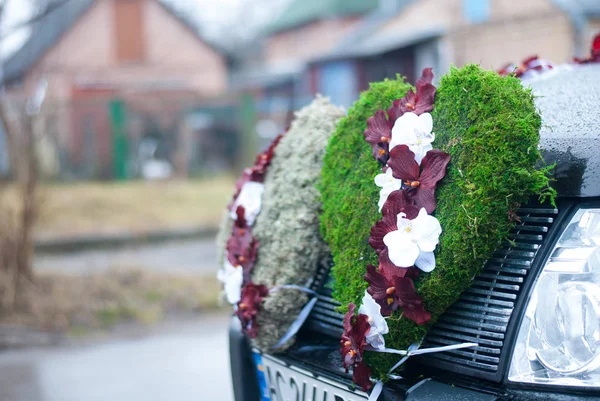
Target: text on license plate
[281,383]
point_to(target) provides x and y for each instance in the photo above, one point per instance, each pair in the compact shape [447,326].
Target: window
[476,11]
[339,82]
[129,27]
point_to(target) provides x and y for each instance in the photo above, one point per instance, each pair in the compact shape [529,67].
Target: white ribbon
[296,324]
[302,316]
[413,349]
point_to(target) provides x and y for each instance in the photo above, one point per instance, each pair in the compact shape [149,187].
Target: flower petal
[434,167]
[378,287]
[379,230]
[403,164]
[402,251]
[361,375]
[370,308]
[425,123]
[410,301]
[425,92]
[389,270]
[403,131]
[232,278]
[378,284]
[348,317]
[426,231]
[426,261]
[399,202]
[378,325]
[423,198]
[384,178]
[377,127]
[420,151]
[250,198]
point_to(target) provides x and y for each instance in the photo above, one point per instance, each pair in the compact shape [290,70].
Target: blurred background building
[337,47]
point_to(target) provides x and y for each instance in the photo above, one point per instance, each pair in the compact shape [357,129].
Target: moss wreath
[286,231]
[489,126]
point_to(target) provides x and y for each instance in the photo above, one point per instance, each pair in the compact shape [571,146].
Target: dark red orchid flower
[379,127]
[410,301]
[396,203]
[382,289]
[419,102]
[382,283]
[532,63]
[242,246]
[420,180]
[354,337]
[594,54]
[378,134]
[353,343]
[247,309]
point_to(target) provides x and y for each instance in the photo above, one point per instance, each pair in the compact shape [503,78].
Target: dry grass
[80,303]
[97,207]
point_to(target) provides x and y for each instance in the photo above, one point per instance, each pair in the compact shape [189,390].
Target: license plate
[279,382]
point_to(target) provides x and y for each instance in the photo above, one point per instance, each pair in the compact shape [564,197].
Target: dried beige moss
[291,246]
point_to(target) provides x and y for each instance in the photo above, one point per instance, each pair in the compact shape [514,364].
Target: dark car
[536,341]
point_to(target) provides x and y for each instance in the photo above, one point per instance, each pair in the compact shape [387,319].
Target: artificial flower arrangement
[533,65]
[270,237]
[409,225]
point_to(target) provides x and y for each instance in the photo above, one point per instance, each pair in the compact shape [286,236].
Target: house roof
[382,43]
[367,39]
[301,12]
[46,31]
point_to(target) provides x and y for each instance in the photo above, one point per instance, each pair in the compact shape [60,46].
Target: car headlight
[559,339]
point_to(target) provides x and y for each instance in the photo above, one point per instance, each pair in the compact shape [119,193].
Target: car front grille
[324,318]
[482,312]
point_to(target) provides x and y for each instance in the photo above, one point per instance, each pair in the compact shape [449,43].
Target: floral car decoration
[419,187]
[270,237]
[533,65]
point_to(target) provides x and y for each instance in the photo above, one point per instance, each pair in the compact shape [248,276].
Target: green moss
[490,127]
[348,191]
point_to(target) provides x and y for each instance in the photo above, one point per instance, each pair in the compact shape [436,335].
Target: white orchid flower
[377,322]
[232,277]
[388,184]
[250,198]
[414,241]
[415,132]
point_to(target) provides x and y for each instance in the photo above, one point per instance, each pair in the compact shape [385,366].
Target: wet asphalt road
[180,362]
[190,256]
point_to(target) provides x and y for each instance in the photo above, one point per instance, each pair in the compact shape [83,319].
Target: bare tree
[17,219]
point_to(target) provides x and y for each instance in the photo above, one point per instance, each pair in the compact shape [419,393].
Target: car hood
[568,99]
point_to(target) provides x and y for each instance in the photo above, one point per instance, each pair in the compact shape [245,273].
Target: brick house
[104,59]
